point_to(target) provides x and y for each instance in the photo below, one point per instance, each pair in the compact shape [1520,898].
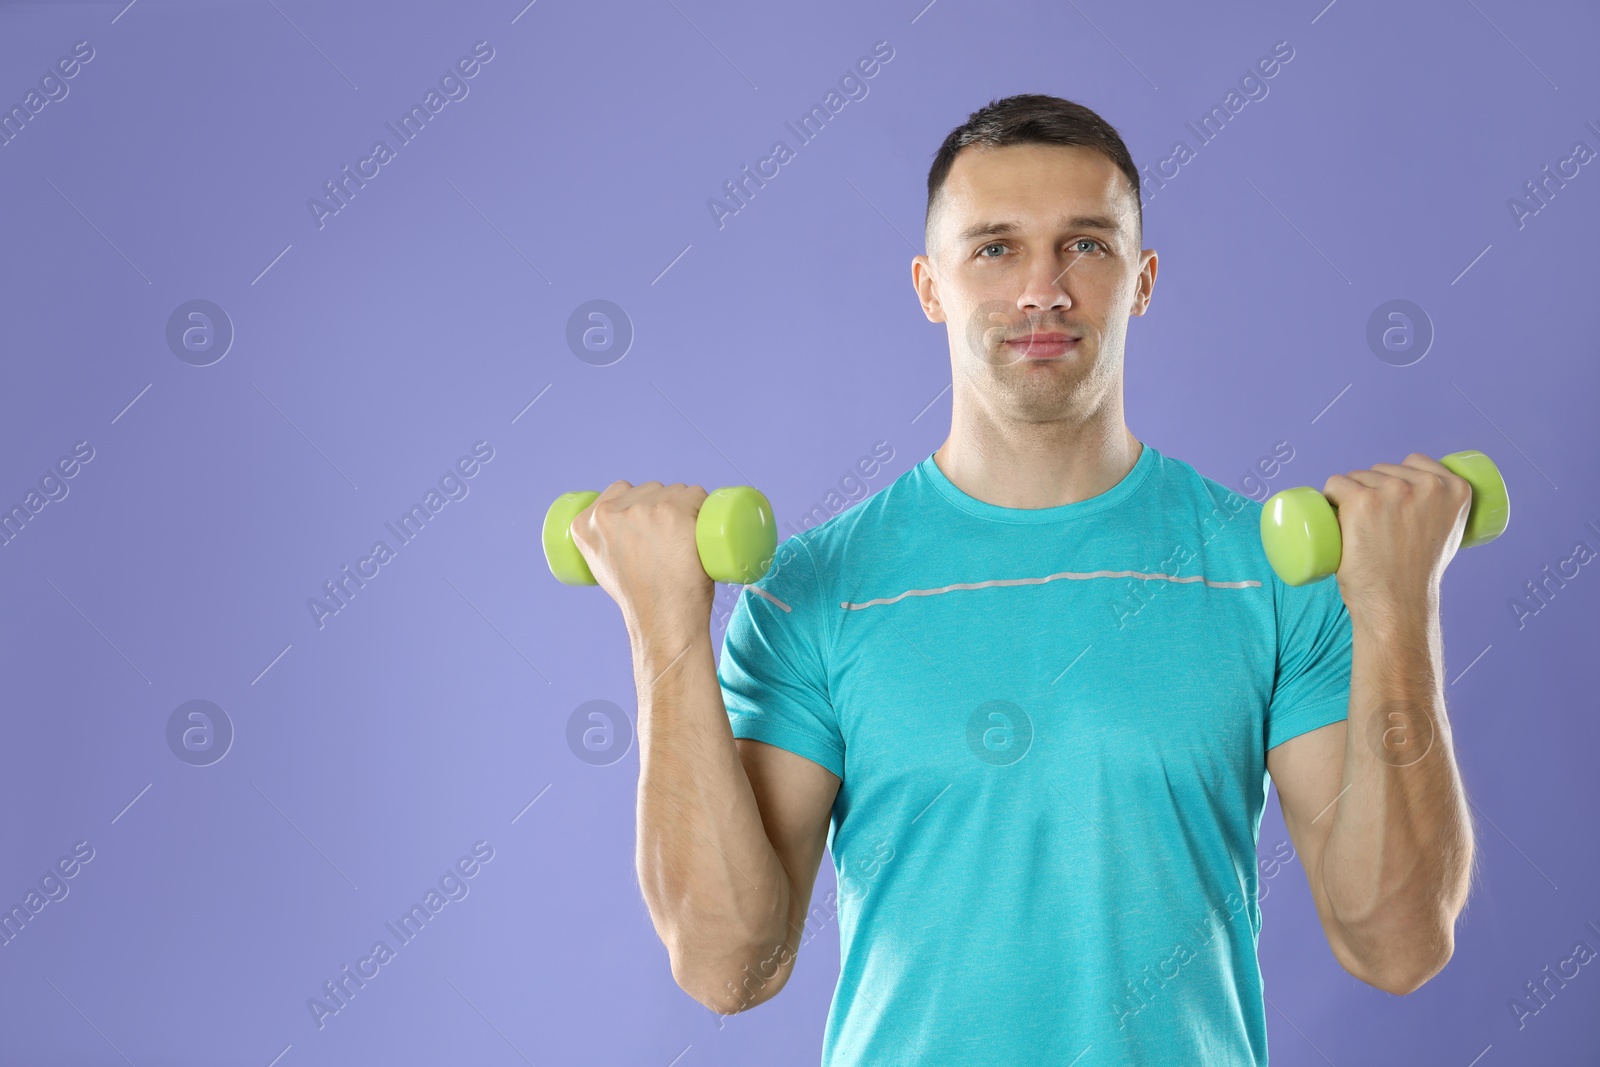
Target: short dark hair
[1030,118]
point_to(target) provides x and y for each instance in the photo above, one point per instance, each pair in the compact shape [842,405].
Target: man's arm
[1375,805]
[724,835]
[730,834]
[1376,811]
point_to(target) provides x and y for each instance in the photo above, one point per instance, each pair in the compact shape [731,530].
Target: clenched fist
[639,543]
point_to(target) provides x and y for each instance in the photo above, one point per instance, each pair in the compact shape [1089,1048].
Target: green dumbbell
[1300,531]
[734,533]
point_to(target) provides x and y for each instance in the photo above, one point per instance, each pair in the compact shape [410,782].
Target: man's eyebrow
[1007,228]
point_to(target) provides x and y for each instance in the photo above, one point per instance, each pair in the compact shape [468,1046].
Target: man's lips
[1043,345]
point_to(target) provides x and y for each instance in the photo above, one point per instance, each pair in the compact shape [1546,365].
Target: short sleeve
[773,672]
[1311,687]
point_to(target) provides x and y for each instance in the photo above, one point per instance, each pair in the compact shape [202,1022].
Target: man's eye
[1086,240]
[986,248]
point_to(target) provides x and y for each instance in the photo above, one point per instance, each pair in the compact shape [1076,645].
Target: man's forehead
[1026,165]
[1002,190]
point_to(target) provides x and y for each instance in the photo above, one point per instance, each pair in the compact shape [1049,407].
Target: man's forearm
[1398,858]
[710,877]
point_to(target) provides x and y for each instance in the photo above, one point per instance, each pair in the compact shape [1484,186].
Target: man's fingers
[1418,461]
[1339,488]
[1417,476]
[615,489]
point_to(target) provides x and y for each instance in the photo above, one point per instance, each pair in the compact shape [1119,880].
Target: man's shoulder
[1181,506]
[1179,477]
[892,504]
[882,521]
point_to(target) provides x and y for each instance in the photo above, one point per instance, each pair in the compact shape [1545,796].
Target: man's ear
[1144,287]
[924,279]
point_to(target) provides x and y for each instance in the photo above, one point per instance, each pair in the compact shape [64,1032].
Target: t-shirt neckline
[1060,513]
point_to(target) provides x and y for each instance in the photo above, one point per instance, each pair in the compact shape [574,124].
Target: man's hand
[639,542]
[1400,525]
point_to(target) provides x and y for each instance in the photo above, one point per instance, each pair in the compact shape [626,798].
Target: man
[1030,693]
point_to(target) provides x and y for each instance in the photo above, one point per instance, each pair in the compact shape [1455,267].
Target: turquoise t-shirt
[1050,727]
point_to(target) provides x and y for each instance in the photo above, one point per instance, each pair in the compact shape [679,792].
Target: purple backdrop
[240,344]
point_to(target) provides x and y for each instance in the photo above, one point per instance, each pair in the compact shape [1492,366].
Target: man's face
[1036,267]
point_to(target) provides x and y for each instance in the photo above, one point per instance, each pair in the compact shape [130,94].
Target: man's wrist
[1396,620]
[663,636]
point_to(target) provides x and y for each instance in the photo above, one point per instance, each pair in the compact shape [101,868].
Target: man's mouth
[1043,345]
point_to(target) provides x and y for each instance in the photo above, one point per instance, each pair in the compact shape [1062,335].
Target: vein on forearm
[1397,858]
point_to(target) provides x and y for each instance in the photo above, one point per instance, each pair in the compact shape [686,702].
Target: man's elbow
[1403,984]
[724,1001]
[713,989]
[1402,977]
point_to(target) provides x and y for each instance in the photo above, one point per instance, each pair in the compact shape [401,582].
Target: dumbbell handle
[734,532]
[1300,530]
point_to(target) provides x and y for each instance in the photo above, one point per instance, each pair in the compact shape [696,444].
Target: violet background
[433,710]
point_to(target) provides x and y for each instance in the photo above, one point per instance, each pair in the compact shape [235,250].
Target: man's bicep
[775,687]
[795,795]
[1308,771]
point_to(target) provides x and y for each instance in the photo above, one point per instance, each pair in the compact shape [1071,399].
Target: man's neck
[1034,465]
